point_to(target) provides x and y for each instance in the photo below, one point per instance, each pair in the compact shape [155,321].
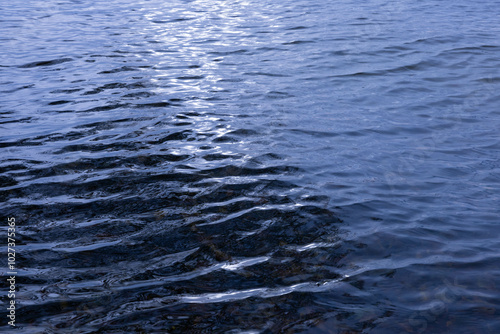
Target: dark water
[252,166]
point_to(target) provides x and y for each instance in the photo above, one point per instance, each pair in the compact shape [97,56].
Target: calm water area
[251,166]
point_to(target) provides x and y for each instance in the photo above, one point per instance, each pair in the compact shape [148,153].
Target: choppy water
[252,166]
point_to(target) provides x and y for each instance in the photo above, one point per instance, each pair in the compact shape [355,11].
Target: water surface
[252,166]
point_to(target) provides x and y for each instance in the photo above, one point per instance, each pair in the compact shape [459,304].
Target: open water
[252,166]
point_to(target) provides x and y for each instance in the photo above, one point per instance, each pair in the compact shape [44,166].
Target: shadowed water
[252,166]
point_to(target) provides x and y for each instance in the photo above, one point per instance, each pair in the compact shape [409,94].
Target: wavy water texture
[252,166]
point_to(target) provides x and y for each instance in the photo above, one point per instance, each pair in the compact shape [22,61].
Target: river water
[252,166]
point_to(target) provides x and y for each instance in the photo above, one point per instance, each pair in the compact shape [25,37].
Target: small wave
[46,63]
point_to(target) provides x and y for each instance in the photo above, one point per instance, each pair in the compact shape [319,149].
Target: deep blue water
[252,166]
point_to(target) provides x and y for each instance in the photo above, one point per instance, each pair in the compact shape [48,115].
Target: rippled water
[252,166]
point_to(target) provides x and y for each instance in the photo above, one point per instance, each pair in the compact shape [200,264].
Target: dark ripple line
[46,63]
